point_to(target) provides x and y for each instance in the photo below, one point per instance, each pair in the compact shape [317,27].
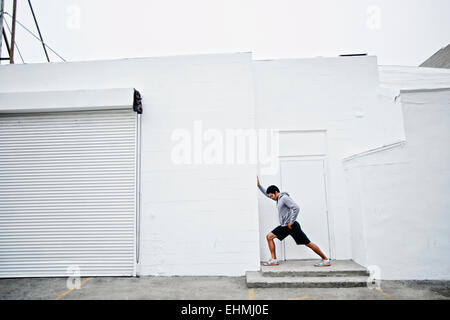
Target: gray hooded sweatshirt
[287,209]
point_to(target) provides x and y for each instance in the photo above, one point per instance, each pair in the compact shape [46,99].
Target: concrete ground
[208,288]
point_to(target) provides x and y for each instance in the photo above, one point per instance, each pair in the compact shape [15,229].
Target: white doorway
[305,181]
[303,174]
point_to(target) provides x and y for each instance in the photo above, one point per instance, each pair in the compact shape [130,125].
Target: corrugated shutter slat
[68,193]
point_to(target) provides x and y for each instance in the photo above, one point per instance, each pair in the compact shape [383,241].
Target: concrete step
[306,268]
[303,274]
[256,279]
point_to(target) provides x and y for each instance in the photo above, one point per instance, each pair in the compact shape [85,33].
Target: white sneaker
[271,262]
[323,263]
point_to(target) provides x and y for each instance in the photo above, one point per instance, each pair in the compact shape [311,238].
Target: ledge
[70,100]
[382,148]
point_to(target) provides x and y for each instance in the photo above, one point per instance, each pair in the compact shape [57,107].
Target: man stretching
[287,212]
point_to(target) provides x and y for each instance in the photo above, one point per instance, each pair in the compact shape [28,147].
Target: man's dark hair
[272,189]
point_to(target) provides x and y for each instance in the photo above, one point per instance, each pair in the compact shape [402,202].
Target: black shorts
[296,233]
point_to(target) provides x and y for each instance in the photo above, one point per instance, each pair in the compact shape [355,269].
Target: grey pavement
[214,288]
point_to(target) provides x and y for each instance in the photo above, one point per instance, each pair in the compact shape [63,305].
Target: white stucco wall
[407,77]
[339,95]
[195,219]
[398,196]
[203,219]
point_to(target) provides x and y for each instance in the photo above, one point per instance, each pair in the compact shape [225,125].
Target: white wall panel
[211,209]
[398,195]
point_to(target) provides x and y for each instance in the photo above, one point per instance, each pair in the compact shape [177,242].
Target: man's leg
[300,238]
[317,250]
[270,236]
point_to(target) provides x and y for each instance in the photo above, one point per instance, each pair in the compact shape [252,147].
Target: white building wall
[339,95]
[407,77]
[203,219]
[398,196]
[195,219]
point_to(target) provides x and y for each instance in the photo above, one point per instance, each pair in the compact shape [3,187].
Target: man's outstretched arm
[263,190]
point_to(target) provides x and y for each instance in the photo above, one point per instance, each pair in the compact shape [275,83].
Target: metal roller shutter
[68,193]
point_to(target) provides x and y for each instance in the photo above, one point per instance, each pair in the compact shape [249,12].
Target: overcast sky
[399,32]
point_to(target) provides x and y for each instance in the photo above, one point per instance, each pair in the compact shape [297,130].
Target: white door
[68,193]
[304,180]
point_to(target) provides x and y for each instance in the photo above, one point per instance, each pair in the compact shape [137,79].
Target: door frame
[137,162]
[137,222]
[83,101]
[324,159]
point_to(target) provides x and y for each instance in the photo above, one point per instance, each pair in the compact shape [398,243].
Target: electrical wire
[15,42]
[29,31]
[39,30]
